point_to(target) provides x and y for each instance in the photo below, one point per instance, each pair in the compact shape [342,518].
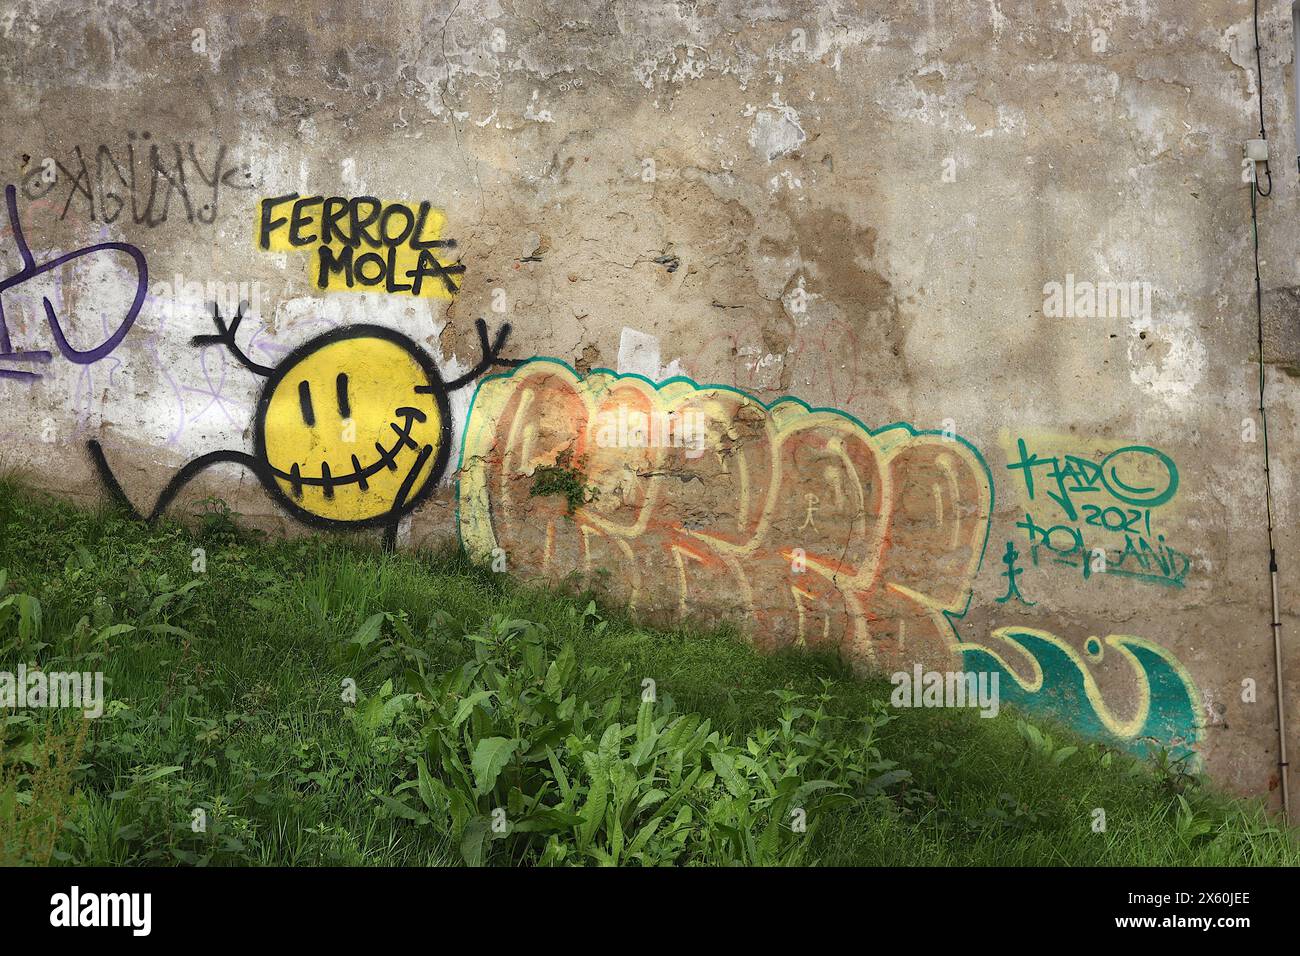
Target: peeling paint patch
[1167,359]
[531,112]
[776,131]
[638,353]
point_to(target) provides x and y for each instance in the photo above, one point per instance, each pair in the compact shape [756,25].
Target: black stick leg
[191,469]
[399,503]
[173,487]
[109,480]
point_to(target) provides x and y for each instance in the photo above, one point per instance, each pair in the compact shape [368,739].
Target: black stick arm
[225,335]
[491,354]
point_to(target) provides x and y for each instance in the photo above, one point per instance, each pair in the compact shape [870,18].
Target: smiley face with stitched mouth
[354,427]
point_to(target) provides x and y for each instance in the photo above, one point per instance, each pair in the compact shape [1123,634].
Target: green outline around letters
[960,647]
[768,406]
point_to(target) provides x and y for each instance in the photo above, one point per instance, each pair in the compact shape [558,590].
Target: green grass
[225,689]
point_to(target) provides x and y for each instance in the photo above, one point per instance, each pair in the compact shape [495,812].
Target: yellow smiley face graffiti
[353,427]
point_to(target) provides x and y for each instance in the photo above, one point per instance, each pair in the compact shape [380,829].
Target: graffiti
[814,529]
[403,241]
[1013,571]
[1163,709]
[146,182]
[32,269]
[801,523]
[1100,512]
[351,430]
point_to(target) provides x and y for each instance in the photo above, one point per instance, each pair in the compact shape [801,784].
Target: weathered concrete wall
[879,211]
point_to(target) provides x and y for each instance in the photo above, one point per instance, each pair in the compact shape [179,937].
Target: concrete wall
[890,213]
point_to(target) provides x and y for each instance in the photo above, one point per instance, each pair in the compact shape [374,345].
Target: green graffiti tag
[1097,515]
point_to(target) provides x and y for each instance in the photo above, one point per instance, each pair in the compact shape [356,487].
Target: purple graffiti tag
[84,393]
[178,397]
[273,349]
[31,270]
[215,392]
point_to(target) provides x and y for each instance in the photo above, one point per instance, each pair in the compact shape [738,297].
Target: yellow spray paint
[363,244]
[344,425]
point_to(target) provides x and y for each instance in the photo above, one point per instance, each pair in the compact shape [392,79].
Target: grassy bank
[318,702]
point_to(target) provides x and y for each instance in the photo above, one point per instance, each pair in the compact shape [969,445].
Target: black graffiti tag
[144,181]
